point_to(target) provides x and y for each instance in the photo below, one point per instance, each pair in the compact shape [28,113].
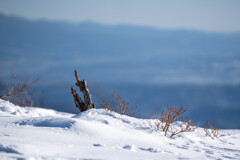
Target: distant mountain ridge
[114,52]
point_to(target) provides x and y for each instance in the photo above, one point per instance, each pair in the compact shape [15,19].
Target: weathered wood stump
[80,104]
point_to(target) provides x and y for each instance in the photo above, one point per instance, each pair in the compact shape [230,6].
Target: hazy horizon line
[7,14]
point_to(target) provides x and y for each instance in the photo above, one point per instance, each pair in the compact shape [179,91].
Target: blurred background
[153,53]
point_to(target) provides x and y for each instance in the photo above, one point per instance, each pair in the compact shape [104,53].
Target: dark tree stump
[82,85]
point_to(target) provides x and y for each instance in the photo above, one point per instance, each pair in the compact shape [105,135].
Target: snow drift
[35,133]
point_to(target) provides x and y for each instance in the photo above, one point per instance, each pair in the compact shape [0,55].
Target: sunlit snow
[34,133]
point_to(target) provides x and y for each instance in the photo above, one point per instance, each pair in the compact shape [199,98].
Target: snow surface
[34,133]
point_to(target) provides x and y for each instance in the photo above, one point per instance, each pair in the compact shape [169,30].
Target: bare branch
[19,88]
[186,126]
[122,107]
[171,114]
[213,132]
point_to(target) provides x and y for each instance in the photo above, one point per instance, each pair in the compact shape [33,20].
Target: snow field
[34,133]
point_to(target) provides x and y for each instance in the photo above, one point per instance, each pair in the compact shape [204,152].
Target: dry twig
[19,88]
[17,94]
[170,115]
[213,132]
[121,106]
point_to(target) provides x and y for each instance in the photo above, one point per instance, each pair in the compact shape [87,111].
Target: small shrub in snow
[107,107]
[213,132]
[171,114]
[17,94]
[120,106]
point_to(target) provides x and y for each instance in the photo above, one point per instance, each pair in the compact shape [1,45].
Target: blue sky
[207,15]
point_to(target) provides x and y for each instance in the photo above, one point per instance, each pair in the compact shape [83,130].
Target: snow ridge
[34,133]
